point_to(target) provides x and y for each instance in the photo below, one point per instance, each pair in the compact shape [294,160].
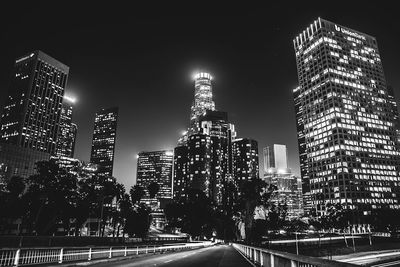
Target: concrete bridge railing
[32,256]
[272,258]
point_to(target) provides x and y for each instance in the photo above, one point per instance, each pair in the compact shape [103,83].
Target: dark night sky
[141,59]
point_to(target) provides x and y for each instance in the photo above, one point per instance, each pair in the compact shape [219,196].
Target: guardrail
[31,256]
[272,258]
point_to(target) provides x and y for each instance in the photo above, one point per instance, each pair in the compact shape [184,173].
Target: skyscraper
[32,110]
[199,163]
[202,98]
[68,130]
[156,167]
[275,157]
[180,181]
[245,160]
[277,173]
[104,138]
[346,131]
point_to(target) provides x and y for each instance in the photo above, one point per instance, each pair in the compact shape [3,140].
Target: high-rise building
[277,173]
[346,130]
[245,160]
[395,112]
[104,138]
[32,110]
[199,163]
[180,175]
[215,124]
[275,157]
[202,99]
[68,130]
[156,167]
[18,161]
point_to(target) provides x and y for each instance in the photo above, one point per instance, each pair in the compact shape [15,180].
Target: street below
[218,256]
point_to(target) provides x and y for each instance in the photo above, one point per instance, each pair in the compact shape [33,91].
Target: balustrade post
[90,254]
[125,252]
[16,259]
[137,250]
[261,258]
[293,263]
[61,255]
[109,256]
[272,260]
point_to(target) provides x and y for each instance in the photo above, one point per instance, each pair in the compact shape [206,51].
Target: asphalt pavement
[218,256]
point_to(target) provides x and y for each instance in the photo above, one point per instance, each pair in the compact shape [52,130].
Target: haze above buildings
[143,64]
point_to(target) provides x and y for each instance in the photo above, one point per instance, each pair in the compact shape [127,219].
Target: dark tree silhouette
[136,193]
[153,189]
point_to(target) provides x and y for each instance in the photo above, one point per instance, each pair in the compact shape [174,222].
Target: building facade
[278,174]
[67,131]
[346,129]
[155,167]
[245,160]
[32,110]
[18,161]
[203,99]
[180,172]
[275,156]
[104,138]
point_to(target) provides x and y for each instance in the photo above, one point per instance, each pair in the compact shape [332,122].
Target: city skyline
[160,126]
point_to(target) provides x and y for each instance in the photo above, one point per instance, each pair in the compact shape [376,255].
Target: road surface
[218,256]
[372,258]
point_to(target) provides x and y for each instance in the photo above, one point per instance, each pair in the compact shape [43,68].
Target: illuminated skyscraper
[156,167]
[277,173]
[104,138]
[245,159]
[68,130]
[180,181]
[199,163]
[275,157]
[215,124]
[32,110]
[202,99]
[346,131]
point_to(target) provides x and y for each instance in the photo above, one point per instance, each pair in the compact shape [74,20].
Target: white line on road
[387,264]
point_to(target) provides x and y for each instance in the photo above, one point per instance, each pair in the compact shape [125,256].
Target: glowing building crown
[201,75]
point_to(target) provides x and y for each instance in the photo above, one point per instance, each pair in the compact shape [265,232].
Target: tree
[196,215]
[11,204]
[253,193]
[153,189]
[16,186]
[138,221]
[50,198]
[136,193]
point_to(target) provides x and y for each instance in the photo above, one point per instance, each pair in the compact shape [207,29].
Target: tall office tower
[18,161]
[199,163]
[275,157]
[32,111]
[347,137]
[215,124]
[156,167]
[395,112]
[202,99]
[277,173]
[104,137]
[180,181]
[245,160]
[68,130]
